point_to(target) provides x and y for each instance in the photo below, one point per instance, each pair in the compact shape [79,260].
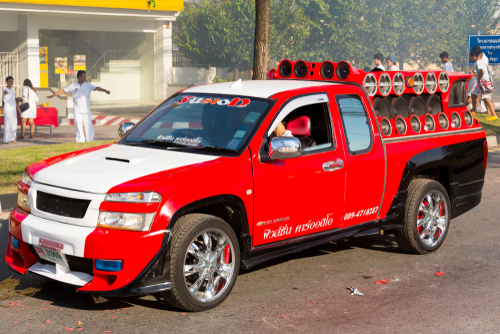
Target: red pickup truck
[233,174]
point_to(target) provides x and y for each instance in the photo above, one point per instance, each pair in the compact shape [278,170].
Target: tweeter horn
[431,83]
[418,83]
[370,84]
[384,84]
[444,82]
[398,83]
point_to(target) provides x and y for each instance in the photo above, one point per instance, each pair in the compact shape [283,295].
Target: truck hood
[99,171]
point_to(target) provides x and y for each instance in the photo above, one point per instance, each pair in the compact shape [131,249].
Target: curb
[8,202]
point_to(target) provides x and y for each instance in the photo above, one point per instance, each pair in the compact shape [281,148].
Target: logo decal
[269,222]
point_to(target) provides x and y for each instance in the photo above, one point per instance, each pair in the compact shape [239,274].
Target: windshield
[200,121]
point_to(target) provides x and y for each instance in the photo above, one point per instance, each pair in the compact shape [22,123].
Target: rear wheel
[204,264]
[427,217]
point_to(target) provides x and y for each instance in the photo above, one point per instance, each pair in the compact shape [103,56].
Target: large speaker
[418,83]
[285,69]
[433,105]
[398,83]
[417,106]
[443,82]
[343,70]
[327,70]
[370,84]
[431,83]
[300,69]
[384,84]
[382,107]
[399,107]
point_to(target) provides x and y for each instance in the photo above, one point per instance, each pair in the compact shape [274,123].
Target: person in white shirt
[10,109]
[391,64]
[447,66]
[377,61]
[484,86]
[81,106]
[29,96]
[471,85]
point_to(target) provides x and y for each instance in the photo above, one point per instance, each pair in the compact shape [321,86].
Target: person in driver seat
[281,131]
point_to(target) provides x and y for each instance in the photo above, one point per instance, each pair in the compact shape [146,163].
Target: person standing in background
[10,109]
[447,66]
[377,61]
[484,86]
[81,106]
[29,96]
[391,64]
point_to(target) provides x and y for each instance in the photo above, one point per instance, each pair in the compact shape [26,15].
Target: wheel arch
[229,208]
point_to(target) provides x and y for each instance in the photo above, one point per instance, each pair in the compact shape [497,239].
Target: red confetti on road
[69,329]
[382,281]
[439,273]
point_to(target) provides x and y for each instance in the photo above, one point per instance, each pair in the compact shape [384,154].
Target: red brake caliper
[227,253]
[420,216]
[441,213]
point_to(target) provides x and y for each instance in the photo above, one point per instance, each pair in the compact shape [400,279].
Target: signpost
[490,44]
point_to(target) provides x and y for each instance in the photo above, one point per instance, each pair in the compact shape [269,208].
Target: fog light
[14,242]
[108,265]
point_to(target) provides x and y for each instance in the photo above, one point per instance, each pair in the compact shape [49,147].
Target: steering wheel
[184,133]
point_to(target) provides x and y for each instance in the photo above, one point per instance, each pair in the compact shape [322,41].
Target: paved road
[305,292]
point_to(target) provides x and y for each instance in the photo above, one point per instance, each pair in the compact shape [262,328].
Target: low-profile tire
[204,262]
[426,219]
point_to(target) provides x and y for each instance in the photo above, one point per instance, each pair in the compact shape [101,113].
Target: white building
[123,47]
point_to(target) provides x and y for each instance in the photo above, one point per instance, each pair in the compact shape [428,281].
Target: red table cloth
[44,116]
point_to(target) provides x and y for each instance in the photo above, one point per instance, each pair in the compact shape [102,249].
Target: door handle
[331,166]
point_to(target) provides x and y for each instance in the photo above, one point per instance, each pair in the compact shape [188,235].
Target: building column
[28,49]
[163,58]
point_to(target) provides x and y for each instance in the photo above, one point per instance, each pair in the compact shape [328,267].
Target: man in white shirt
[81,106]
[447,66]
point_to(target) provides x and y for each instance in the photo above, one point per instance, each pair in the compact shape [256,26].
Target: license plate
[51,255]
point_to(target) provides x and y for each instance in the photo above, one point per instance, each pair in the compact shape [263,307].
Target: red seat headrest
[300,126]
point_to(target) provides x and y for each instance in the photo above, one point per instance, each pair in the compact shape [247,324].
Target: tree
[220,33]
[262,40]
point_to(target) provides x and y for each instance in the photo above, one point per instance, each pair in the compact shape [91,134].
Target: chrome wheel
[209,265]
[432,218]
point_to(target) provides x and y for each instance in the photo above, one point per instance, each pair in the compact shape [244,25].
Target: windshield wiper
[215,148]
[158,142]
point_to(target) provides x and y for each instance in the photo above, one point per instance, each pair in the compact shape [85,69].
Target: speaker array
[431,83]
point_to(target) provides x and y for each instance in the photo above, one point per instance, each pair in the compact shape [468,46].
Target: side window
[356,125]
[312,125]
[457,94]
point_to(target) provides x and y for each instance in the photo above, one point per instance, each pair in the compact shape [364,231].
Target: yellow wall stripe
[167,5]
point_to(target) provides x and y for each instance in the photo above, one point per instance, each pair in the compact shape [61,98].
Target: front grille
[61,206]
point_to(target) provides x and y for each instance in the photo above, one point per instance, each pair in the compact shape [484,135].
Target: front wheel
[204,264]
[427,217]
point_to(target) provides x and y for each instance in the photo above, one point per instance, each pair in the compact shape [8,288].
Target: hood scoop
[117,159]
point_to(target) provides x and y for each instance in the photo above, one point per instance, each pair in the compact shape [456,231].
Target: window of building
[357,130]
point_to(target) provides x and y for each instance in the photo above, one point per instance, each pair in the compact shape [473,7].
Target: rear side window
[356,125]
[457,94]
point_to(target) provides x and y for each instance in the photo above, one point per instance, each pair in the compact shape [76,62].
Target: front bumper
[144,254]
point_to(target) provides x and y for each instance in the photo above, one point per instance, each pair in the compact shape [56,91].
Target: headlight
[26,179]
[143,197]
[23,201]
[126,221]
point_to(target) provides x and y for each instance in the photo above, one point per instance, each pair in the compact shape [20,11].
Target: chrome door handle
[331,166]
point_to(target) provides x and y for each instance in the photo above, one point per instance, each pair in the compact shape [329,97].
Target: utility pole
[262,39]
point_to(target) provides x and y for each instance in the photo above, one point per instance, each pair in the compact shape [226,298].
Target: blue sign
[490,44]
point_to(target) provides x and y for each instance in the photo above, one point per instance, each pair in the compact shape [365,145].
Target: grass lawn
[492,128]
[14,161]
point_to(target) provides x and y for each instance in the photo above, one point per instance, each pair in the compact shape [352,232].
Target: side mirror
[124,128]
[284,148]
